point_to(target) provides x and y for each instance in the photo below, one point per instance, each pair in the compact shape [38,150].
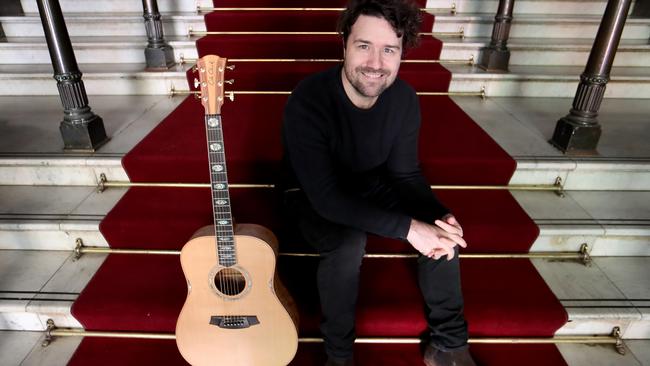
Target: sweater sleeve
[306,141]
[404,168]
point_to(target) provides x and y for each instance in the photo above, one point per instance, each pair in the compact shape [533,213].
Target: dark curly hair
[403,15]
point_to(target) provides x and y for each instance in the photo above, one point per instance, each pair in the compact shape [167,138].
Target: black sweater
[336,153]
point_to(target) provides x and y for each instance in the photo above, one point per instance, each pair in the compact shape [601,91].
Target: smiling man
[350,168]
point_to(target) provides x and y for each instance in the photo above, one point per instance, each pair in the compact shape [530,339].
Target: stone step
[593,7]
[117,6]
[534,25]
[521,81]
[42,285]
[90,50]
[100,25]
[24,349]
[524,51]
[53,170]
[474,25]
[610,223]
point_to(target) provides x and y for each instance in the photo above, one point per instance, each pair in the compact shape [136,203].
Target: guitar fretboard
[220,197]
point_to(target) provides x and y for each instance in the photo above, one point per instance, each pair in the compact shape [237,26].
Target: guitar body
[239,315]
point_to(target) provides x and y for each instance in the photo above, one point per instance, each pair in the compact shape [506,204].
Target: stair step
[106,24]
[593,7]
[117,6]
[88,50]
[522,81]
[592,295]
[610,223]
[533,25]
[474,25]
[524,51]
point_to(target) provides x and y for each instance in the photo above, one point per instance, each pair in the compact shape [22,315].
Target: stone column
[81,128]
[159,55]
[496,56]
[579,131]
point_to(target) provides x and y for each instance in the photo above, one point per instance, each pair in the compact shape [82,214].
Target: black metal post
[81,128]
[11,7]
[159,55]
[496,56]
[579,131]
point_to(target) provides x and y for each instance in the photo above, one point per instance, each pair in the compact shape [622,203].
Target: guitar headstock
[211,70]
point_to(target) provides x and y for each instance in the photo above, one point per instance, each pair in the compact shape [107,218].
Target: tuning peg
[197,83]
[231,67]
[195,68]
[231,81]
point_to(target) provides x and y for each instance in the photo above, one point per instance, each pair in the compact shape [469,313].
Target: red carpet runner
[504,298]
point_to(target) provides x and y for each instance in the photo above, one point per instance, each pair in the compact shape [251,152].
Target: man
[351,168]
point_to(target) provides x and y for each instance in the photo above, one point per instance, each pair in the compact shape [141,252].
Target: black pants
[341,250]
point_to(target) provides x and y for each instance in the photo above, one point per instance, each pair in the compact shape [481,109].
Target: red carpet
[142,352]
[145,292]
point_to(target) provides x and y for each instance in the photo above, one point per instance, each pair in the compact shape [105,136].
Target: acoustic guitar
[237,312]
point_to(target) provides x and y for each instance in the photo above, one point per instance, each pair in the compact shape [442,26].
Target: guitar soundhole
[230,282]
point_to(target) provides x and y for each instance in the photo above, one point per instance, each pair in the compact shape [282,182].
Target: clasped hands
[437,240]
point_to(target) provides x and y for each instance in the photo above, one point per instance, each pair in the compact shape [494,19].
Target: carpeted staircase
[144,293]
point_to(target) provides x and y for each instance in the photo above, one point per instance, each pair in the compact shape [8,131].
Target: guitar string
[222,274]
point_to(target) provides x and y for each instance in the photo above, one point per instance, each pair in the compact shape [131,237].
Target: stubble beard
[354,76]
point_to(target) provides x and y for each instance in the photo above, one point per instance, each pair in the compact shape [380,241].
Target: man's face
[372,58]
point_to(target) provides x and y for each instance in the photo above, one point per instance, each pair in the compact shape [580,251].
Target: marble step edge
[633,55]
[113,6]
[464,79]
[474,25]
[585,320]
[595,7]
[613,238]
[618,175]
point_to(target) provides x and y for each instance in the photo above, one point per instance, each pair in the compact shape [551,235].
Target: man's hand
[433,241]
[449,224]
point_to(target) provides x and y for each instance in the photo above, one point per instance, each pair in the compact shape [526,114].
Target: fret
[220,195]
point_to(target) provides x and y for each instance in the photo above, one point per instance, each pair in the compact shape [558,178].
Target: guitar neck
[223,224]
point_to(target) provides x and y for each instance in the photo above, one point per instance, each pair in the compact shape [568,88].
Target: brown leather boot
[436,357]
[332,361]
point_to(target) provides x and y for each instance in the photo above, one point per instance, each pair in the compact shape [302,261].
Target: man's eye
[363,46]
[389,50]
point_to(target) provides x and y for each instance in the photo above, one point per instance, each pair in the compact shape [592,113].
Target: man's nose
[374,59]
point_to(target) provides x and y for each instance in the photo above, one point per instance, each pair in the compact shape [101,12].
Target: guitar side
[272,341]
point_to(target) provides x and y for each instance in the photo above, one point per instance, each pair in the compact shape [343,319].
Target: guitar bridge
[234,321]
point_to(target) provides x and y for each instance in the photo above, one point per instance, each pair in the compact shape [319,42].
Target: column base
[159,58]
[493,59]
[576,139]
[85,136]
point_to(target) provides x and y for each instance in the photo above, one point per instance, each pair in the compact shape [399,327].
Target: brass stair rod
[582,255]
[71,332]
[231,94]
[200,9]
[104,183]
[191,32]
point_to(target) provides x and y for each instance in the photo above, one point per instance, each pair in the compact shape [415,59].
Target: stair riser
[89,54]
[178,25]
[49,236]
[160,84]
[102,26]
[623,241]
[583,176]
[540,56]
[546,86]
[115,6]
[129,53]
[482,27]
[462,6]
[36,315]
